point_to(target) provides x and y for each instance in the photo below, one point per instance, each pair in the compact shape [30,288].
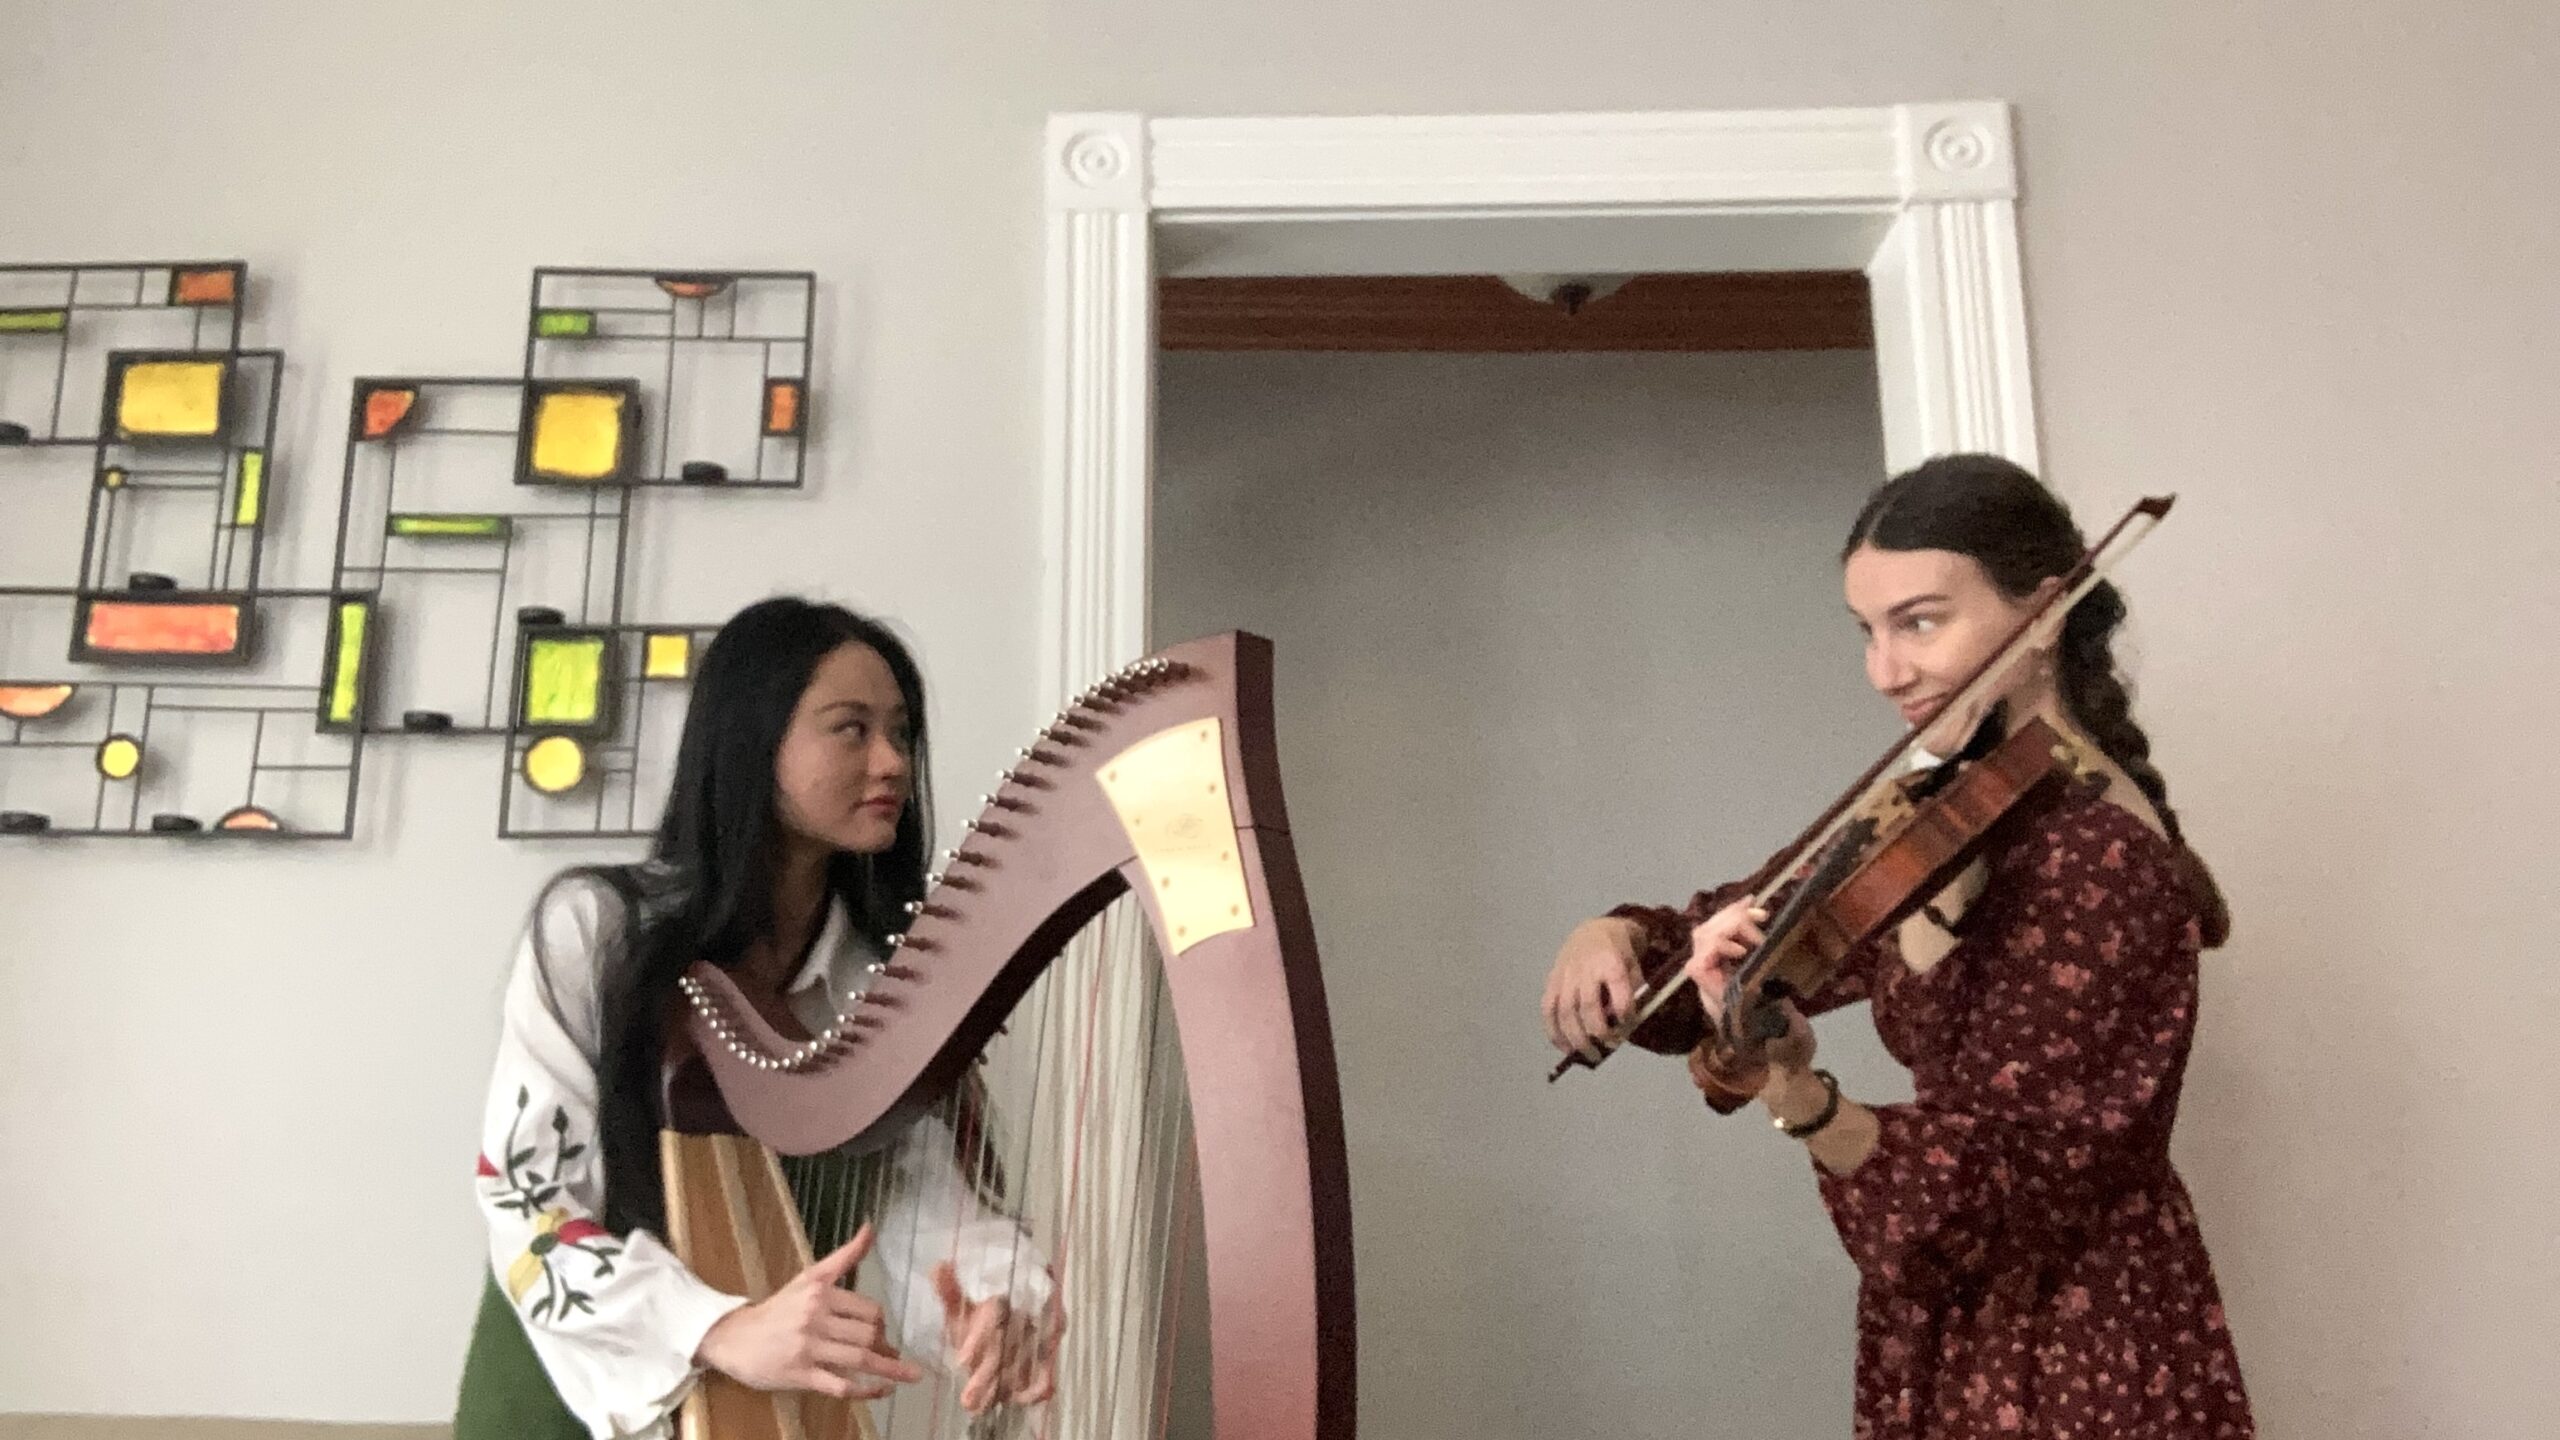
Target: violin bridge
[2069,750]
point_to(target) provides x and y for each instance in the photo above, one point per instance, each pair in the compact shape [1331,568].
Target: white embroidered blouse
[616,1320]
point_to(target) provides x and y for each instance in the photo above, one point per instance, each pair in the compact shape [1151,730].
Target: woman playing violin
[2028,1259]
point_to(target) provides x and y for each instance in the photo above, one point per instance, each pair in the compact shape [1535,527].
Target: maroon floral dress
[2028,1261]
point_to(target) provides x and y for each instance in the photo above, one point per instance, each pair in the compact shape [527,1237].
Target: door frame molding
[1937,181]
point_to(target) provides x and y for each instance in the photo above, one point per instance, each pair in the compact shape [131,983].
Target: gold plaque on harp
[1170,791]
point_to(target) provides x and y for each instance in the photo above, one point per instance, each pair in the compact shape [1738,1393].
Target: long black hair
[706,892]
[1995,512]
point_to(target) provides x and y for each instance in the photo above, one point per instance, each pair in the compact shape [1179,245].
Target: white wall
[1553,631]
[2287,257]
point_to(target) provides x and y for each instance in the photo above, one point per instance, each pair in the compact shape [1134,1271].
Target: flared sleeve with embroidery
[615,1319]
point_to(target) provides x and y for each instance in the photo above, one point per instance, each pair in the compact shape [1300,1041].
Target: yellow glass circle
[119,756]
[555,764]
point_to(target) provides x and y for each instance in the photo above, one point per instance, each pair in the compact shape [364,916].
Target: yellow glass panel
[564,681]
[119,756]
[669,657]
[555,764]
[577,435]
[178,398]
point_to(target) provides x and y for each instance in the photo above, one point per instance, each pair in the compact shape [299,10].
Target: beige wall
[2289,259]
[126,1427]
[1554,631]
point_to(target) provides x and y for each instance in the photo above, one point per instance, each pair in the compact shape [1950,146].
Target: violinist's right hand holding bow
[1595,979]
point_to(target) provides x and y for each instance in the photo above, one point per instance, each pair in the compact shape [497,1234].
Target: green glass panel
[564,680]
[452,527]
[346,683]
[34,322]
[556,324]
[253,488]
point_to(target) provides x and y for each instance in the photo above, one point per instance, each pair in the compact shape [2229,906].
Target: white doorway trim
[1921,197]
[1931,188]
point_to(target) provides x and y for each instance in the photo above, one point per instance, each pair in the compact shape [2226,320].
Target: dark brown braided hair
[2000,516]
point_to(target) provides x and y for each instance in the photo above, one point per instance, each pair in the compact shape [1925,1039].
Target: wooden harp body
[1161,782]
[731,1219]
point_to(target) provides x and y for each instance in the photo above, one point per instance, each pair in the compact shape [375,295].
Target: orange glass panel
[782,407]
[122,627]
[693,287]
[218,285]
[249,817]
[385,409]
[33,702]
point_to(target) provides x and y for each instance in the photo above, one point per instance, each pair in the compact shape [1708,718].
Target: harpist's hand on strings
[1010,1357]
[812,1334]
[1594,981]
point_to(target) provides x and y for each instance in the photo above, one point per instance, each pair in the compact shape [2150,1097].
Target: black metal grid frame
[226,566]
[615,754]
[364,560]
[216,335]
[269,703]
[75,276]
[790,476]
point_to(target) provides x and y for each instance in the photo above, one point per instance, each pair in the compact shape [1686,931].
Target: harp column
[1097,434]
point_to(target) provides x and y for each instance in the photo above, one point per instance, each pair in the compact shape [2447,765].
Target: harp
[1122,934]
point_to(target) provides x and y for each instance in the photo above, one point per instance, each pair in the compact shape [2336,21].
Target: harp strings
[1075,1125]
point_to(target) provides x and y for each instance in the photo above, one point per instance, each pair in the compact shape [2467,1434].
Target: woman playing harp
[793,839]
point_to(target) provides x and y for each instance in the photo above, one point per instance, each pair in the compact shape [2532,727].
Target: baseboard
[167,1427]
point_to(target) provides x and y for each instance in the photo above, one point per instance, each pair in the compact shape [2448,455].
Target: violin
[1886,847]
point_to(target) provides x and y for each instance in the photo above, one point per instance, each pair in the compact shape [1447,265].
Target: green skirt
[505,1393]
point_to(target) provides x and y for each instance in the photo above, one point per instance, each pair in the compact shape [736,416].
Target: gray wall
[2289,258]
[1553,631]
